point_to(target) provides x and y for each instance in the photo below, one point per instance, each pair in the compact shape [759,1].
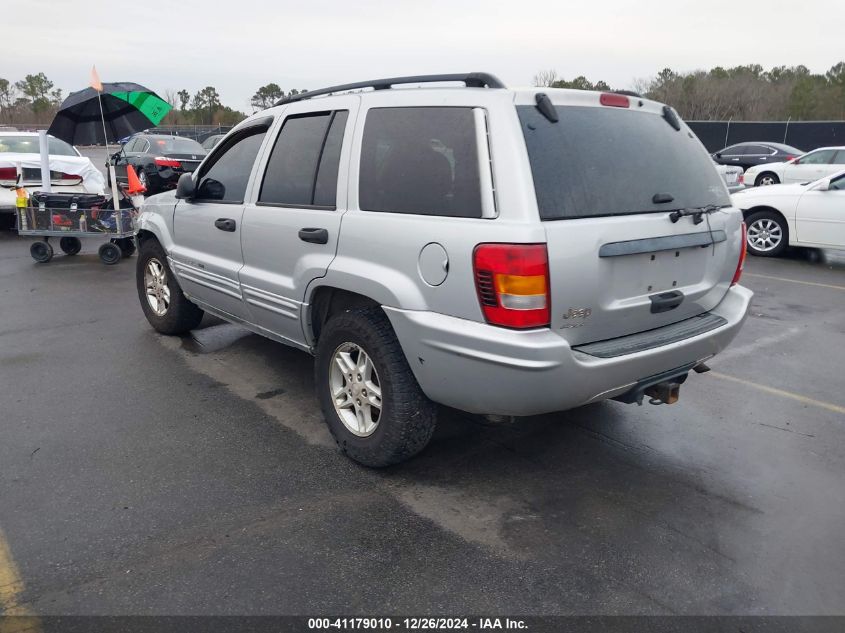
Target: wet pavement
[154,475]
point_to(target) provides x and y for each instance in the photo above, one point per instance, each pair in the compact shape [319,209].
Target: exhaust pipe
[664,392]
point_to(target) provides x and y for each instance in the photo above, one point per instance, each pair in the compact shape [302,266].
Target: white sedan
[794,215]
[819,163]
[20,155]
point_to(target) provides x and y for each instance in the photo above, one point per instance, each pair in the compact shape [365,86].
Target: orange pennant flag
[95,82]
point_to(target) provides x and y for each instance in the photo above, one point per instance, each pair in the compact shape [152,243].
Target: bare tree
[545,78]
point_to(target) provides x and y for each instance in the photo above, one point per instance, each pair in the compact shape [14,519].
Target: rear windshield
[176,145]
[606,161]
[29,145]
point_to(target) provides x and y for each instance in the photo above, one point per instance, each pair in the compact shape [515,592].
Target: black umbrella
[127,108]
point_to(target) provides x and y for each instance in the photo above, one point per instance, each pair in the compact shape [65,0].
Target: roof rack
[470,80]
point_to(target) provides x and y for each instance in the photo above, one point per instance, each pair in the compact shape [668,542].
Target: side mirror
[823,185]
[718,154]
[185,188]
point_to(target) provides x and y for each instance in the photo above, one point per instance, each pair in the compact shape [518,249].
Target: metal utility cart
[72,216]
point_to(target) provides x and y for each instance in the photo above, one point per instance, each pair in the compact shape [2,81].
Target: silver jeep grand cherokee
[505,252]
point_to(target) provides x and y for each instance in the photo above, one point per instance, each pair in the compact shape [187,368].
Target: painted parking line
[11,588]
[780,392]
[795,281]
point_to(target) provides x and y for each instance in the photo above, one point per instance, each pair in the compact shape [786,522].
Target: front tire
[164,304]
[767,234]
[766,179]
[370,399]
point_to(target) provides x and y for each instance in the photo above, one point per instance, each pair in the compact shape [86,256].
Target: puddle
[213,338]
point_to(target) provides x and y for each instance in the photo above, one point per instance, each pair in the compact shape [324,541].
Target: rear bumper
[479,368]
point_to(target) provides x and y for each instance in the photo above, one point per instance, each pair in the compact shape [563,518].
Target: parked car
[750,154]
[732,175]
[367,230]
[808,214]
[69,170]
[211,141]
[811,166]
[158,160]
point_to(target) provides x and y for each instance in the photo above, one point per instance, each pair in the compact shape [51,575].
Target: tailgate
[615,276]
[609,171]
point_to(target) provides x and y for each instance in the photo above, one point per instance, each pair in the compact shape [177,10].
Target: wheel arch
[327,300]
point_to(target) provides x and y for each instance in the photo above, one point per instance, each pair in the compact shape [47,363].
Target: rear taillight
[789,159]
[614,100]
[741,179]
[512,281]
[742,253]
[161,161]
[8,173]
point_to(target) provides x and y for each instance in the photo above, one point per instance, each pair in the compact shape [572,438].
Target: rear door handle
[225,224]
[315,236]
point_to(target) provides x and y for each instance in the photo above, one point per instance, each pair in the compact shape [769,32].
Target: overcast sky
[239,45]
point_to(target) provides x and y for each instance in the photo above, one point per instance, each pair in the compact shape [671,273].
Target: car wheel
[70,245]
[370,399]
[164,304]
[145,182]
[767,234]
[765,179]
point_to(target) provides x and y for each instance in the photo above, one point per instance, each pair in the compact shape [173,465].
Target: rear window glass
[607,161]
[29,145]
[176,145]
[421,161]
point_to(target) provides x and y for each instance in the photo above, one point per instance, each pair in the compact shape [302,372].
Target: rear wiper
[697,213]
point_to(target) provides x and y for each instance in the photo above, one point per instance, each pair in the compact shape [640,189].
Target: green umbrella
[150,104]
[126,108]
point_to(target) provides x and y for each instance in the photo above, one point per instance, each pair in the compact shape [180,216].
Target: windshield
[607,161]
[29,145]
[176,145]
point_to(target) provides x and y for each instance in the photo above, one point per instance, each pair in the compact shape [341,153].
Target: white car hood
[92,178]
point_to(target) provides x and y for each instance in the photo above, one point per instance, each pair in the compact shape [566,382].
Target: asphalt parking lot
[152,475]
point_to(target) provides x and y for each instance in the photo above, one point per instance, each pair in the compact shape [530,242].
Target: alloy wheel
[764,235]
[155,284]
[355,389]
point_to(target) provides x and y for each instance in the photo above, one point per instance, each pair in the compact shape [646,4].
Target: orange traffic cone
[135,187]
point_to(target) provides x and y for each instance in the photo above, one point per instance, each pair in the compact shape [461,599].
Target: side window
[226,179]
[821,157]
[734,150]
[302,169]
[131,145]
[839,159]
[420,160]
[756,150]
[838,184]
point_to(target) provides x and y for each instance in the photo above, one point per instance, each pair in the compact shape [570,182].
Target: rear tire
[164,304]
[145,181]
[406,417]
[765,179]
[767,234]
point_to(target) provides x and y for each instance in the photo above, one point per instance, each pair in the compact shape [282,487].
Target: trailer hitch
[664,392]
